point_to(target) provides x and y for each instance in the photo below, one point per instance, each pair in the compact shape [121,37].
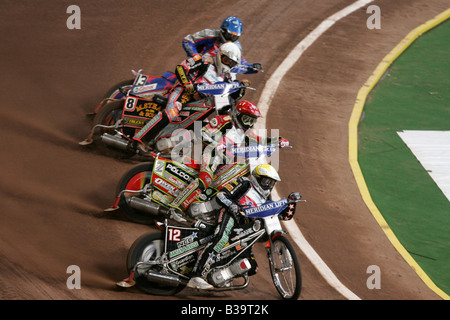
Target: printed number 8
[130,104]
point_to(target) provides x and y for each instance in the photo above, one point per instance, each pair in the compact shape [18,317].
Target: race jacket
[190,71]
[244,193]
[208,41]
[218,136]
[221,132]
[239,191]
[193,72]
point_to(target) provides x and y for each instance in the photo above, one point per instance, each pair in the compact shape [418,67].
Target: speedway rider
[190,73]
[208,41]
[252,191]
[220,133]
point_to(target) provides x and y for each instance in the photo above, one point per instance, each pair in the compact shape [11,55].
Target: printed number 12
[174,234]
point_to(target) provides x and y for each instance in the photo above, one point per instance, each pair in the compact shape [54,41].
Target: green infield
[413,96]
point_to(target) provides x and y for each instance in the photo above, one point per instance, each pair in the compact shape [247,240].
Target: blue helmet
[231,29]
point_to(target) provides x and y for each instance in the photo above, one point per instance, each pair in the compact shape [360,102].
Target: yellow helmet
[266,176]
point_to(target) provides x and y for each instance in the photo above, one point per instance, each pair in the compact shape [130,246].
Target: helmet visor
[227,61]
[247,120]
[266,183]
[229,36]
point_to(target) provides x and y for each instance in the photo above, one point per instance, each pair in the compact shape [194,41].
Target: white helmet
[264,177]
[228,55]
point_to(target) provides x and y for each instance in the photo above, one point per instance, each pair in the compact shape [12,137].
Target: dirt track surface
[53,191]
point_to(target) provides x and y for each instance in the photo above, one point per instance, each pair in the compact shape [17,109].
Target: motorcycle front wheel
[146,248]
[285,268]
[114,91]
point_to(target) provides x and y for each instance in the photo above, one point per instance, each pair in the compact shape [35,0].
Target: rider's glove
[227,78]
[197,57]
[257,66]
[245,82]
[283,142]
[295,196]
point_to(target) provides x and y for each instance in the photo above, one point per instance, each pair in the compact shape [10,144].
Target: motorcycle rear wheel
[146,248]
[285,268]
[135,179]
[108,115]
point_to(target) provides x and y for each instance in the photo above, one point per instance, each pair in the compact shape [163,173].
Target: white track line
[264,103]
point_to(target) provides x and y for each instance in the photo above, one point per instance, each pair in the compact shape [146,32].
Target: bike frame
[180,242]
[179,257]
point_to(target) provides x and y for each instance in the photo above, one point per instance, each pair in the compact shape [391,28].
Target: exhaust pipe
[146,206]
[165,279]
[114,141]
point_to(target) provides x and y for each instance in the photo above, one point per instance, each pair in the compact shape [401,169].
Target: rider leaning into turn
[220,133]
[190,73]
[261,181]
[208,41]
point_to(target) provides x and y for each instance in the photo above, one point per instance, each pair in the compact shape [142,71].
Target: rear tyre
[108,115]
[146,248]
[135,179]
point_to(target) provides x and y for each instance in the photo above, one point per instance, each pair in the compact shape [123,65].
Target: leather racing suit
[188,73]
[218,134]
[208,41]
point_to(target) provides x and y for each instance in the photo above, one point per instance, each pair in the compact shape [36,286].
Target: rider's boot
[198,280]
[139,148]
[177,215]
[199,283]
[208,255]
[160,120]
[148,132]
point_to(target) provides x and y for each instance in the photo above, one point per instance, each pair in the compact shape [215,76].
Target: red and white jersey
[252,198]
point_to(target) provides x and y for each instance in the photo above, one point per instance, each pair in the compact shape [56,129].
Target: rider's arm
[189,70]
[253,67]
[253,137]
[232,192]
[215,130]
[182,72]
[200,42]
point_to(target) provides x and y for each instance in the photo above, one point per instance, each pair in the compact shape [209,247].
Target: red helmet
[245,114]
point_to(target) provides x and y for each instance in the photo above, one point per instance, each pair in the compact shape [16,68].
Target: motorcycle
[128,109]
[161,263]
[145,192]
[144,85]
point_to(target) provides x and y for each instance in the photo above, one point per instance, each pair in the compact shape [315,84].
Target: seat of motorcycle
[160,100]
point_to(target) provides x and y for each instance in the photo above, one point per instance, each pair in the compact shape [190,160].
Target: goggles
[230,36]
[227,61]
[266,183]
[247,120]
